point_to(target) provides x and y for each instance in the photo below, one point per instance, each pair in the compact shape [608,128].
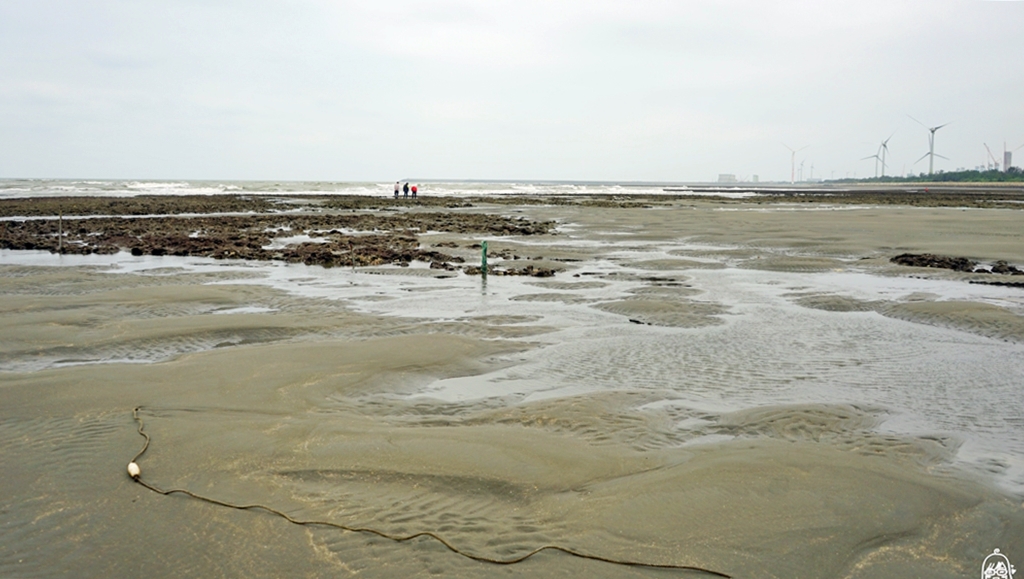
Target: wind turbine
[880,155]
[792,161]
[884,148]
[877,158]
[931,145]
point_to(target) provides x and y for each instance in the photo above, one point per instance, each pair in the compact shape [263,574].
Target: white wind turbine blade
[918,122]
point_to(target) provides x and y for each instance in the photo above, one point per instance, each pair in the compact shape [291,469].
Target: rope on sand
[136,474]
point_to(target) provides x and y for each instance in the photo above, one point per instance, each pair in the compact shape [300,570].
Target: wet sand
[609,409]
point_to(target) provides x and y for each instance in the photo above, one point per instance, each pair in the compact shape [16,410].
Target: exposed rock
[938,261]
[955,264]
[384,238]
[1019,284]
[1005,269]
[528,270]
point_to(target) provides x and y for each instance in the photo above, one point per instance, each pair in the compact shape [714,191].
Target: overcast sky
[520,89]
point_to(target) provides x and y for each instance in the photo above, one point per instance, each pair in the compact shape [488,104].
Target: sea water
[16,188]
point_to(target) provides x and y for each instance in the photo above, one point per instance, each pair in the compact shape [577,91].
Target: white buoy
[133,470]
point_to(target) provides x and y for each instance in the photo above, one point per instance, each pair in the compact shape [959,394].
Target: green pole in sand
[483,260]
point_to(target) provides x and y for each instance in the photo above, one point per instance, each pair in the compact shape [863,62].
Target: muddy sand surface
[747,387]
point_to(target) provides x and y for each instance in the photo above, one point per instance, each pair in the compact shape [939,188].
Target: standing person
[397,186]
[413,191]
[405,188]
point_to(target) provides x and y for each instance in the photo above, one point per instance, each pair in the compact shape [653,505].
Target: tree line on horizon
[1013,174]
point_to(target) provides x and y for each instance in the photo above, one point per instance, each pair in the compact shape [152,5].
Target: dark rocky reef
[155,226]
[529,270]
[954,263]
[937,261]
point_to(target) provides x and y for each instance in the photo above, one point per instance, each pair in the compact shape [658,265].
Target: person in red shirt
[414,191]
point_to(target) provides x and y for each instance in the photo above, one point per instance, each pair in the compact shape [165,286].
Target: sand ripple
[666,312]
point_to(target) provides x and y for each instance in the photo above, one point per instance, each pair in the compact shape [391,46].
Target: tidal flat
[748,386]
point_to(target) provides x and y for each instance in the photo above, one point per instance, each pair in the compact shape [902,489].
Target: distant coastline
[1012,175]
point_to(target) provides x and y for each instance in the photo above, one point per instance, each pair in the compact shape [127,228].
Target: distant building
[1007,160]
[755,179]
[726,178]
